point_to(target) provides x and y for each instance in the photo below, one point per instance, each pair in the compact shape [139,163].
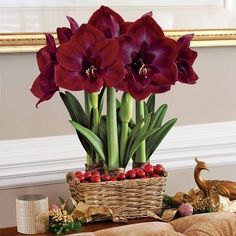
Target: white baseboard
[46,160]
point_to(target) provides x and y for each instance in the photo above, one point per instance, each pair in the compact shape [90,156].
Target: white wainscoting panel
[37,161]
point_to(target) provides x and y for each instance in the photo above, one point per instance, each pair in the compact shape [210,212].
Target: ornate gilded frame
[31,42]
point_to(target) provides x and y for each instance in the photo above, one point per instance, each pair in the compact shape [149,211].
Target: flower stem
[87,105]
[125,115]
[112,135]
[123,142]
[93,100]
[141,152]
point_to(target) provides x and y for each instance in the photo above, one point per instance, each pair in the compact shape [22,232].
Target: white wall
[212,99]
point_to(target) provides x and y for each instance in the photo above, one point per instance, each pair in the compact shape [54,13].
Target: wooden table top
[88,227]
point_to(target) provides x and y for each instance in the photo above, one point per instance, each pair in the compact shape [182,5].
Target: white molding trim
[38,161]
[112,3]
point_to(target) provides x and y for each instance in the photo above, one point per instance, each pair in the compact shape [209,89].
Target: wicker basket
[128,199]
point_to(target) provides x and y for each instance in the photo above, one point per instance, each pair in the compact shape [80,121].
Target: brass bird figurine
[209,187]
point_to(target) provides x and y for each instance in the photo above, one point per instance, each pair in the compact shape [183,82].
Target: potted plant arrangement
[100,58]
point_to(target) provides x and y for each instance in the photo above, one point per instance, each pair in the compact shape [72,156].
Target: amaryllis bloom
[185,60]
[148,57]
[88,61]
[64,33]
[108,21]
[44,86]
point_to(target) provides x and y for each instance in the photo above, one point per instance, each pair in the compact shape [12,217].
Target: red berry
[140,173]
[95,179]
[136,169]
[121,176]
[95,172]
[131,174]
[159,169]
[156,175]
[87,175]
[81,178]
[106,177]
[113,179]
[149,170]
[78,174]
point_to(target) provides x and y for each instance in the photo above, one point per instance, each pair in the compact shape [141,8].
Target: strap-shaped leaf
[93,139]
[103,135]
[133,135]
[77,109]
[71,111]
[101,97]
[144,137]
[154,140]
[151,103]
[158,116]
[117,104]
[131,124]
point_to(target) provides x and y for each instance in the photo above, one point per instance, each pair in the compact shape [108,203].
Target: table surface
[88,227]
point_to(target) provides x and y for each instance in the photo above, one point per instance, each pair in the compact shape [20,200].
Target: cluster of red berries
[147,171]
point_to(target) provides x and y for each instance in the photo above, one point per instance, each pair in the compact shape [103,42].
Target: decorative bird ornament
[210,187]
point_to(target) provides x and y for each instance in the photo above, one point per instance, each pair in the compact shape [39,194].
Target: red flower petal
[73,24]
[86,36]
[114,74]
[70,56]
[68,79]
[146,30]
[63,34]
[107,21]
[47,53]
[107,52]
[137,91]
[44,86]
[95,85]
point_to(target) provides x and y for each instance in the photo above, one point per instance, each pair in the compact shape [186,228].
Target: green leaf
[101,98]
[151,103]
[77,109]
[103,132]
[93,139]
[69,100]
[133,135]
[154,140]
[118,104]
[158,116]
[131,124]
[137,144]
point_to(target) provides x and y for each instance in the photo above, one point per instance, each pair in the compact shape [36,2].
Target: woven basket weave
[128,199]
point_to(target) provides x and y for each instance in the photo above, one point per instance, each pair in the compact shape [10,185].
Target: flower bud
[126,108]
[93,99]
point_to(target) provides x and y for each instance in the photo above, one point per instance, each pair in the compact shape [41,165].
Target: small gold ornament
[213,187]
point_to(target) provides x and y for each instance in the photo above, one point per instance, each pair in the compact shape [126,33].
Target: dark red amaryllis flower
[88,61]
[108,21]
[185,60]
[44,86]
[64,33]
[148,57]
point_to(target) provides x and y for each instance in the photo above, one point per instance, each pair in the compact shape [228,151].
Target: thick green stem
[112,135]
[125,115]
[123,142]
[93,100]
[87,105]
[141,152]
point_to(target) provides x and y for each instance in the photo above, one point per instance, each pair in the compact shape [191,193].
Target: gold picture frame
[32,42]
